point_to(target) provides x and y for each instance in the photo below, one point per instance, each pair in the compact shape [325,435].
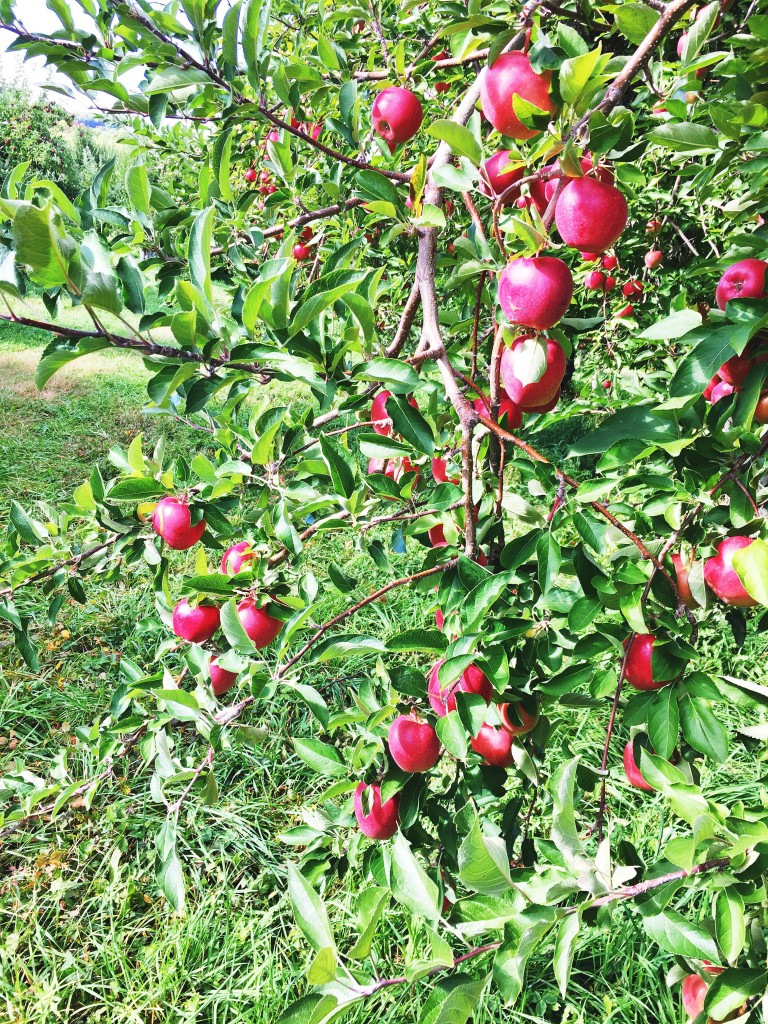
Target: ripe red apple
[590,257]
[744,280]
[694,993]
[258,624]
[631,770]
[721,390]
[610,283]
[654,226]
[307,234]
[707,392]
[633,287]
[721,577]
[172,520]
[601,173]
[396,114]
[382,820]
[607,385]
[196,624]
[221,678]
[509,412]
[638,671]
[436,536]
[250,175]
[591,214]
[627,310]
[535,292]
[516,720]
[761,409]
[610,262]
[653,258]
[736,369]
[237,557]
[512,75]
[440,472]
[532,396]
[472,680]
[301,252]
[595,280]
[413,743]
[382,424]
[494,179]
[494,745]
[682,571]
[396,469]
[439,619]
[547,407]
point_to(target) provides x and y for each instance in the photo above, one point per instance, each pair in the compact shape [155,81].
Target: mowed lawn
[85,935]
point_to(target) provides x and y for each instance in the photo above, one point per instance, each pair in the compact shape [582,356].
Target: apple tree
[510,268]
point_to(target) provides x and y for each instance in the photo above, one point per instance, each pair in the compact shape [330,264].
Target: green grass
[84,934]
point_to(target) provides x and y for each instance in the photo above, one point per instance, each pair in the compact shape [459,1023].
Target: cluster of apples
[197,623]
[745,280]
[415,747]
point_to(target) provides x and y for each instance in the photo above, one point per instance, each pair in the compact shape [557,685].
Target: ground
[84,934]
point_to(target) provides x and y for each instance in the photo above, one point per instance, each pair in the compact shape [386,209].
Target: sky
[14,69]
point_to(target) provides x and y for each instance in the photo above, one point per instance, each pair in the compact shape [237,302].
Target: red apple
[591,214]
[721,577]
[707,392]
[761,409]
[516,720]
[396,114]
[654,226]
[382,424]
[602,173]
[259,625]
[631,770]
[494,179]
[535,292]
[547,406]
[472,680]
[221,679]
[744,280]
[494,745]
[307,234]
[610,283]
[250,175]
[382,820]
[301,252]
[610,262]
[627,310]
[440,472]
[512,75]
[532,396]
[172,520]
[694,993]
[736,369]
[721,390]
[638,670]
[590,257]
[237,557]
[595,280]
[396,469]
[196,624]
[682,571]
[509,411]
[653,258]
[633,287]
[413,744]
[439,619]
[436,536]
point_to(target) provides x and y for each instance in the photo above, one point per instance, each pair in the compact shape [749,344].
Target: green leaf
[172,78]
[370,908]
[452,734]
[453,1001]
[38,240]
[232,628]
[565,946]
[751,565]
[393,374]
[731,989]
[310,309]
[199,251]
[138,189]
[575,73]
[565,835]
[409,422]
[663,721]
[685,137]
[348,645]
[340,465]
[635,21]
[324,758]
[168,870]
[410,884]
[676,935]
[484,862]
[703,729]
[136,488]
[677,325]
[482,598]
[730,923]
[460,139]
[309,910]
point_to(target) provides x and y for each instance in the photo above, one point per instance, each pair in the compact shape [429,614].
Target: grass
[84,934]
